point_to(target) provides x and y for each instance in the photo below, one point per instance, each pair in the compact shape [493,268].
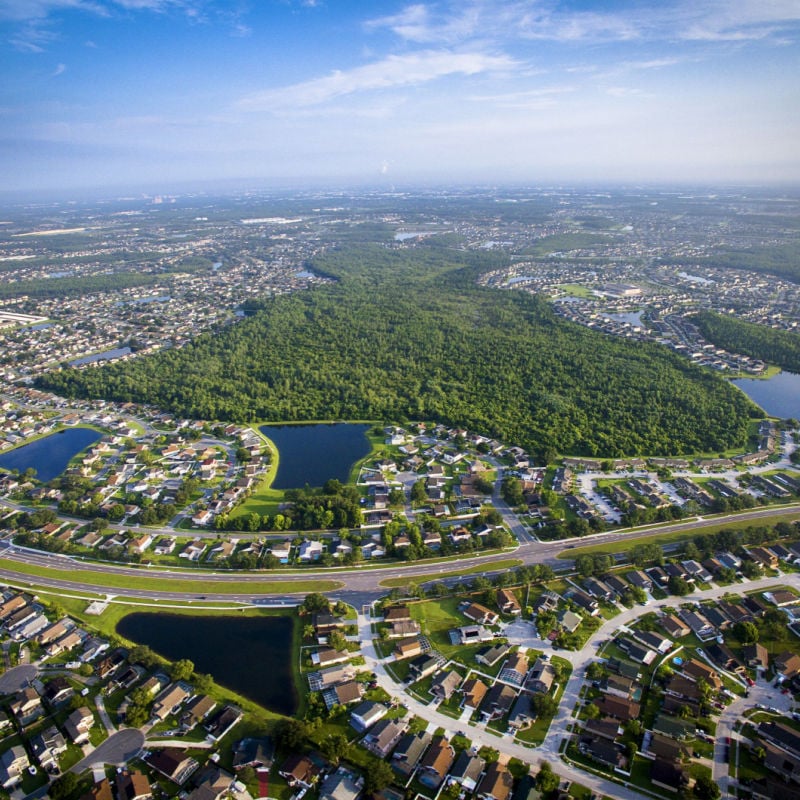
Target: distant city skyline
[156,93]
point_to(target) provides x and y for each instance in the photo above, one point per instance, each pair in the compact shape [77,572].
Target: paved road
[359,586]
[524,634]
[117,750]
[17,678]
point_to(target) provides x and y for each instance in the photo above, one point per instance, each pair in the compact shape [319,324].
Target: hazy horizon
[109,94]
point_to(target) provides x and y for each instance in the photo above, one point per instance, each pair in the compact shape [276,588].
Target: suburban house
[515,669]
[674,627]
[12,763]
[299,771]
[133,785]
[436,763]
[507,602]
[498,702]
[496,783]
[480,614]
[491,655]
[170,700]
[541,677]
[409,751]
[78,724]
[366,714]
[383,736]
[466,771]
[445,684]
[617,707]
[341,785]
[473,690]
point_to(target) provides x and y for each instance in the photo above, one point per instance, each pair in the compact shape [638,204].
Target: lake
[313,454]
[779,395]
[248,655]
[50,455]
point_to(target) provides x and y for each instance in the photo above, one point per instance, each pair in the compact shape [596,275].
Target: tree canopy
[775,346]
[408,334]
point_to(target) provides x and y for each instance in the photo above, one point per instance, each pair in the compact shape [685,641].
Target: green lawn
[168,583]
[509,563]
[667,538]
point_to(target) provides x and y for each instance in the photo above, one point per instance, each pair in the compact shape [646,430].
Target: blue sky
[155,92]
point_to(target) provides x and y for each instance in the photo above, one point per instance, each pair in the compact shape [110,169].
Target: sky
[115,93]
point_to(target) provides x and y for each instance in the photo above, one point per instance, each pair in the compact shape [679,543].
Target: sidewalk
[580,659]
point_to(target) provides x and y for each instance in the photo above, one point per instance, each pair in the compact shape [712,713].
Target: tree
[584,565]
[246,775]
[315,602]
[489,754]
[592,711]
[341,608]
[289,734]
[334,746]
[337,640]
[511,490]
[594,671]
[378,776]
[142,654]
[544,705]
[418,492]
[546,780]
[63,786]
[746,632]
[182,670]
[705,788]
[750,570]
[678,586]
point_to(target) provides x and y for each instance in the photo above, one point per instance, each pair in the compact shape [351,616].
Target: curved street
[359,585]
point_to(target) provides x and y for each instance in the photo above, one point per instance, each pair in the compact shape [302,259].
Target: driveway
[117,750]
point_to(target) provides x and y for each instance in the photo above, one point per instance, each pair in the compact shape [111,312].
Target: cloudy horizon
[133,92]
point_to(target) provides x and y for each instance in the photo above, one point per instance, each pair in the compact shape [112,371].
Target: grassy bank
[112,580]
[415,580]
[678,536]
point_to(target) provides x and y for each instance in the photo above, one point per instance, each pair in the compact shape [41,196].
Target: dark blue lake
[779,396]
[49,456]
[249,655]
[313,454]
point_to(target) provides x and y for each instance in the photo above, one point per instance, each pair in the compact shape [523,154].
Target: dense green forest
[778,347]
[783,259]
[407,334]
[101,282]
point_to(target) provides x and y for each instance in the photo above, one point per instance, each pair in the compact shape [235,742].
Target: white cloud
[59,70]
[392,72]
[418,23]
[554,20]
[26,10]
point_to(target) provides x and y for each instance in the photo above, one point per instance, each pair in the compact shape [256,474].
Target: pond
[632,318]
[50,455]
[313,454]
[779,395]
[249,655]
[106,355]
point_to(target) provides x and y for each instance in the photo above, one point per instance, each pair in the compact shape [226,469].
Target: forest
[100,282]
[775,259]
[405,333]
[774,346]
